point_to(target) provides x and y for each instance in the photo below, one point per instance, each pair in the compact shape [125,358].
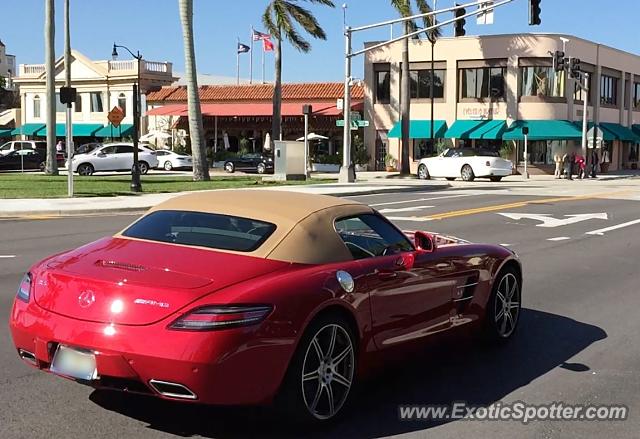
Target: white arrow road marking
[608,229]
[548,221]
[407,218]
[389,203]
[404,209]
[7,256]
[559,238]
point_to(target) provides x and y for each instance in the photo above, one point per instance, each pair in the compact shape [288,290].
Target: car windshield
[201,229]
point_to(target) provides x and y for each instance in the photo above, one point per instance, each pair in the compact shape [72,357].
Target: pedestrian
[59,146]
[580,166]
[594,162]
[557,158]
[568,165]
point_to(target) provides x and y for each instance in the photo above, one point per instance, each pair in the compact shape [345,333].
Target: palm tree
[280,19]
[200,166]
[405,9]
[51,165]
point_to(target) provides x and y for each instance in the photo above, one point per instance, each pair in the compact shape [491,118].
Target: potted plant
[326,163]
[390,163]
[359,154]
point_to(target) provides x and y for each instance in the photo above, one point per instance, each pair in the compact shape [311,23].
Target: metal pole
[346,176]
[251,59]
[136,185]
[306,146]
[584,117]
[433,43]
[263,62]
[215,130]
[238,63]
[67,68]
[526,151]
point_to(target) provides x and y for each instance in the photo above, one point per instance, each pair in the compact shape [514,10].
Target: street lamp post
[136,185]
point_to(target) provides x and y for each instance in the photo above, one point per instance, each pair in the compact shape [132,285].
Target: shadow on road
[460,370]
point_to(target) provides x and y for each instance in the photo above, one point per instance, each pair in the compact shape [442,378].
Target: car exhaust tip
[172,390]
[27,356]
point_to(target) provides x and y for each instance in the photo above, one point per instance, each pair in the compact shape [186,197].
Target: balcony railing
[31,69]
[124,67]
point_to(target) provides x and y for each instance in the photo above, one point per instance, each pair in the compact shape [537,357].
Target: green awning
[6,132]
[636,129]
[420,129]
[620,132]
[125,129]
[28,129]
[79,130]
[477,129]
[543,130]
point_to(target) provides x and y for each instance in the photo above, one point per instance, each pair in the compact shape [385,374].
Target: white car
[172,160]
[114,157]
[18,145]
[466,163]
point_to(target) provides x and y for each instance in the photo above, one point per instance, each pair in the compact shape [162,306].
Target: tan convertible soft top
[304,222]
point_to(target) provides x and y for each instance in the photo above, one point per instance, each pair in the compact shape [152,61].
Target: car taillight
[24,290]
[488,163]
[222,317]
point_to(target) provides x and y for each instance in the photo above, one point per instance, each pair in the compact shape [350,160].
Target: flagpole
[251,59]
[263,61]
[238,62]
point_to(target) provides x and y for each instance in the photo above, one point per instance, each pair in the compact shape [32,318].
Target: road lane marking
[390,203]
[7,256]
[406,218]
[616,227]
[548,221]
[505,245]
[493,208]
[404,209]
[559,238]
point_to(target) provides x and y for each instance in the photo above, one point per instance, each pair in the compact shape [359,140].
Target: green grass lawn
[36,185]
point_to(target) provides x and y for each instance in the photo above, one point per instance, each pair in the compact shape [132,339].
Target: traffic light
[534,12]
[574,67]
[558,61]
[67,95]
[460,22]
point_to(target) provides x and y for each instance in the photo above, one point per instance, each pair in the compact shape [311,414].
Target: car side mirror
[100,154]
[424,242]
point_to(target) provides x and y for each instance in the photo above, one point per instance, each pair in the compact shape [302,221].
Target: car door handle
[386,274]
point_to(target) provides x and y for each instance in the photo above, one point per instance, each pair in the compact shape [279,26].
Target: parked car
[27,159]
[254,162]
[17,145]
[169,160]
[465,163]
[250,296]
[114,157]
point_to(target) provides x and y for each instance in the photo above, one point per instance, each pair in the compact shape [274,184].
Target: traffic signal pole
[347,176]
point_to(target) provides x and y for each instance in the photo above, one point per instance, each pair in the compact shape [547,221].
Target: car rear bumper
[494,172]
[227,367]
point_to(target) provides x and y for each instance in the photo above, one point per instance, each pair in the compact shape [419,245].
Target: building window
[482,83]
[579,93]
[636,95]
[77,106]
[608,90]
[542,82]
[36,107]
[421,84]
[122,103]
[542,152]
[60,107]
[383,85]
[423,148]
[96,102]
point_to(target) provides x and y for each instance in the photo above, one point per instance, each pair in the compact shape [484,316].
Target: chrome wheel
[261,168]
[85,169]
[507,305]
[467,173]
[327,371]
[229,167]
[168,166]
[143,167]
[423,173]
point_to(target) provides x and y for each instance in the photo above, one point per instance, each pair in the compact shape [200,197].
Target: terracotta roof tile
[257,92]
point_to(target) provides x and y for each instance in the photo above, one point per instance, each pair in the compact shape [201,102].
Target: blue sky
[153,27]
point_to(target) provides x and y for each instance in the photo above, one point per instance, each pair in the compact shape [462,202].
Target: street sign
[115,116]
[355,115]
[355,124]
[486,16]
[340,104]
[599,137]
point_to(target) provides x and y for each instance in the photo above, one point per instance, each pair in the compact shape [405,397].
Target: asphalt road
[578,340]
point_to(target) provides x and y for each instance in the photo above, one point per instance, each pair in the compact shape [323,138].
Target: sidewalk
[12,208]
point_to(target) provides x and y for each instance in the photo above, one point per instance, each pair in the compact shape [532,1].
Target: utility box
[288,160]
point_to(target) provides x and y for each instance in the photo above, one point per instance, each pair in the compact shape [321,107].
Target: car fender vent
[467,288]
[119,265]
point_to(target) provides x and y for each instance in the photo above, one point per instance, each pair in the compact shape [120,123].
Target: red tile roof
[258,92]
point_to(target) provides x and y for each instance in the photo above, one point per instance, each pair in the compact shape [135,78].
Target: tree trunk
[51,166]
[405,104]
[196,131]
[277,94]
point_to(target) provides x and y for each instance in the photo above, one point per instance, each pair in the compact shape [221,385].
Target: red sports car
[253,297]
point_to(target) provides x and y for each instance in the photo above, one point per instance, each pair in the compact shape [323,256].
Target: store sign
[481,113]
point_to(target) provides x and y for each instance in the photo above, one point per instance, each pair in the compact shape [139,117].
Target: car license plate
[74,363]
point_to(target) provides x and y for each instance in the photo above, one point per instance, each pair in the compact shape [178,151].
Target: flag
[243,48]
[257,36]
[267,45]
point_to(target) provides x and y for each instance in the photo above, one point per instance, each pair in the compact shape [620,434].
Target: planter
[604,167]
[362,168]
[391,169]
[324,167]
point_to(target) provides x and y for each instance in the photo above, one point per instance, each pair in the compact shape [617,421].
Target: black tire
[261,168]
[168,166]
[229,167]
[143,167]
[423,172]
[451,178]
[467,173]
[495,179]
[85,169]
[498,327]
[42,166]
[308,376]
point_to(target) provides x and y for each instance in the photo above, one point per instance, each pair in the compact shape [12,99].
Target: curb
[61,213]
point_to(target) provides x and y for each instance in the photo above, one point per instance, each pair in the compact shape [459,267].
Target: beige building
[101,85]
[487,88]
[7,66]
